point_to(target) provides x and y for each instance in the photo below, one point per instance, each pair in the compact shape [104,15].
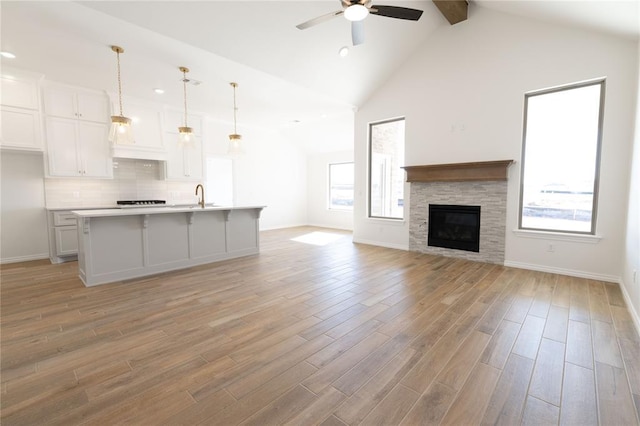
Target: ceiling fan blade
[319,20]
[396,12]
[357,32]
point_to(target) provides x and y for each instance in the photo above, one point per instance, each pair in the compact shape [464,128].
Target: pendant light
[185,133]
[235,148]
[121,132]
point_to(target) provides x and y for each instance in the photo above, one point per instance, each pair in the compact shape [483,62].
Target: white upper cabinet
[183,163]
[67,102]
[20,122]
[77,122]
[78,149]
[19,92]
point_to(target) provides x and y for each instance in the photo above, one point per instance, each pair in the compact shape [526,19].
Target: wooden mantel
[478,171]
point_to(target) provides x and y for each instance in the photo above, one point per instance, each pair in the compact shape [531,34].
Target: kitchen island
[119,244]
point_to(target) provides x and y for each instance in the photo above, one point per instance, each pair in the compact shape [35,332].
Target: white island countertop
[158,210]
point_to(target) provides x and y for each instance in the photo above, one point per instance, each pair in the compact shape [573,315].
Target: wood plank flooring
[303,334]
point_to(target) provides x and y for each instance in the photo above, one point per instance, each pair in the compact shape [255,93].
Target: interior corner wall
[462,94]
[23,218]
[631,269]
[318,191]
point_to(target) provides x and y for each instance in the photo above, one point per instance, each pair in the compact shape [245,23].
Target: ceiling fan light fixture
[121,132]
[356,12]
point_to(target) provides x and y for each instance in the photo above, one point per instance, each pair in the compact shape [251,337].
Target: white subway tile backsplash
[132,180]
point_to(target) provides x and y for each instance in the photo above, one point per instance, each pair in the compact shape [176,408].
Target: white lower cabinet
[63,236]
[66,241]
[78,149]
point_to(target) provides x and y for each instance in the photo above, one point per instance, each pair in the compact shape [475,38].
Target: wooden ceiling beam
[454,10]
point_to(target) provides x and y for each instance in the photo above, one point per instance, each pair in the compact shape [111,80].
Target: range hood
[137,153]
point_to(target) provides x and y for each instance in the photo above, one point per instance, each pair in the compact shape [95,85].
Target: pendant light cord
[235,108]
[119,83]
[184,82]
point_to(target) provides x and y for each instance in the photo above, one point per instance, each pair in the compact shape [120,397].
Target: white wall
[318,191]
[462,94]
[23,220]
[631,268]
[272,172]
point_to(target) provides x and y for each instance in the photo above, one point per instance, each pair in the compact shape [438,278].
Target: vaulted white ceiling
[284,74]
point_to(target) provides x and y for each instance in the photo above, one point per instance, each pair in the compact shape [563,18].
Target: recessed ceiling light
[7,55]
[158,91]
[344,51]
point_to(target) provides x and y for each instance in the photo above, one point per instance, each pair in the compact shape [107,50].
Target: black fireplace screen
[455,227]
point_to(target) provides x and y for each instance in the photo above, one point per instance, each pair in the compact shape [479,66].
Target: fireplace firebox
[454,227]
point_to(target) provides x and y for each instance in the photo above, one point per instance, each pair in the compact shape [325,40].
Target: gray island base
[115,245]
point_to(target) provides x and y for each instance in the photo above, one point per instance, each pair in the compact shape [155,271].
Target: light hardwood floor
[306,334]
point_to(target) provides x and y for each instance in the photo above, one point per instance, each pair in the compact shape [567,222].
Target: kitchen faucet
[201,202]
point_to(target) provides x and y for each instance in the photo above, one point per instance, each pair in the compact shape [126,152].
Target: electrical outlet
[551,248]
[76,194]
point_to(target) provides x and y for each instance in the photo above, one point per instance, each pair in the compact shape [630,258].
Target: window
[341,186]
[561,158]
[386,178]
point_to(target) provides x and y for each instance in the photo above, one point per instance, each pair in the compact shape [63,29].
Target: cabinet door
[66,240]
[184,163]
[94,150]
[20,128]
[60,102]
[62,150]
[147,130]
[93,107]
[175,164]
[193,160]
[19,93]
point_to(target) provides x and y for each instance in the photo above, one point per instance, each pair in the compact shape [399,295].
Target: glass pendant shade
[121,132]
[186,137]
[356,12]
[235,145]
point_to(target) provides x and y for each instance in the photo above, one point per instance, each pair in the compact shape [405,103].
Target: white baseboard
[331,226]
[630,306]
[24,258]
[563,271]
[380,244]
[273,228]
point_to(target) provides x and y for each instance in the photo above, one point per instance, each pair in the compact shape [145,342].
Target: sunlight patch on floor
[318,238]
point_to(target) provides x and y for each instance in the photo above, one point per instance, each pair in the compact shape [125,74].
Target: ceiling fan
[356,10]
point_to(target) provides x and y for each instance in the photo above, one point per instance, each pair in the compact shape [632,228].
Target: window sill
[559,236]
[387,221]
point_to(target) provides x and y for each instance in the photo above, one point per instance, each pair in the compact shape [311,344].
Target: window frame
[370,169]
[596,181]
[329,206]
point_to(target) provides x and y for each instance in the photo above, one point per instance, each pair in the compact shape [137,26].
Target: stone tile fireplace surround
[481,184]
